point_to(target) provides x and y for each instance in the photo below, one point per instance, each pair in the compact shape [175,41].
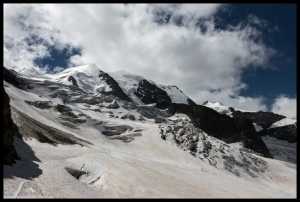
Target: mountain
[278,132]
[87,133]
[136,88]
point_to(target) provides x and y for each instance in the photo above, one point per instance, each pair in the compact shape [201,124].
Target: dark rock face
[286,133]
[191,102]
[264,119]
[249,137]
[221,126]
[9,151]
[13,77]
[71,79]
[116,89]
[150,93]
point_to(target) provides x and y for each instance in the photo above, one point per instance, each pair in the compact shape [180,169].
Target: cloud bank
[285,106]
[175,44]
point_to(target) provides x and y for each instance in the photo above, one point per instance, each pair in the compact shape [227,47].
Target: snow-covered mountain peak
[89,70]
[222,108]
[86,77]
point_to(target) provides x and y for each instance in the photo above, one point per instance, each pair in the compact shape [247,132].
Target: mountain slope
[278,132]
[102,146]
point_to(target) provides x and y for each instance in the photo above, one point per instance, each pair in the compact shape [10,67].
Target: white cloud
[286,106]
[117,36]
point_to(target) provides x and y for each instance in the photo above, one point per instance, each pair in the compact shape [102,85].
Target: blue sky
[282,79]
[242,55]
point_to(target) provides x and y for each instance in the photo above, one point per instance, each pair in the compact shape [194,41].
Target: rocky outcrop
[287,133]
[249,137]
[9,151]
[13,77]
[116,89]
[221,126]
[128,116]
[191,102]
[150,93]
[217,153]
[41,104]
[66,111]
[264,119]
[111,130]
[114,104]
[71,79]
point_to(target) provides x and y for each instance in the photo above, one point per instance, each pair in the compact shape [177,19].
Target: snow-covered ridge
[283,122]
[223,109]
[129,83]
[86,77]
[176,95]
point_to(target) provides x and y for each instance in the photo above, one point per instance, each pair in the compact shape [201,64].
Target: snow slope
[176,95]
[86,76]
[146,167]
[281,150]
[283,122]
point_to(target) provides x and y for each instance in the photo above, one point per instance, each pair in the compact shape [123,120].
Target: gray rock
[128,116]
[114,104]
[146,114]
[109,98]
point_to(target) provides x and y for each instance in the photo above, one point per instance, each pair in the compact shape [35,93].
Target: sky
[241,55]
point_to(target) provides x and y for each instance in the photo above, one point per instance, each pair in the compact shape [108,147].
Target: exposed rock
[66,111]
[190,138]
[146,114]
[71,79]
[114,104]
[191,102]
[116,89]
[222,126]
[286,133]
[73,120]
[109,98]
[115,129]
[41,104]
[87,99]
[264,119]
[158,120]
[13,77]
[128,116]
[141,119]
[150,93]
[249,137]
[127,138]
[9,151]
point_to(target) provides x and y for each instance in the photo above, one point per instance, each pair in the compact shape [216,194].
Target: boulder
[114,104]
